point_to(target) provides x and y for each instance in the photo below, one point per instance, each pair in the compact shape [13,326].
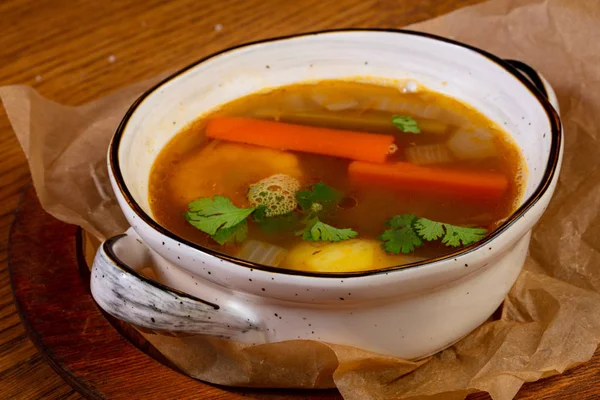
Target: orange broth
[192,166]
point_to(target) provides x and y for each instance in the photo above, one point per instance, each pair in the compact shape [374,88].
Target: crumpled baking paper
[550,320]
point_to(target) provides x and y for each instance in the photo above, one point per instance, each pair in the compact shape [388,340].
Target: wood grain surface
[74,51]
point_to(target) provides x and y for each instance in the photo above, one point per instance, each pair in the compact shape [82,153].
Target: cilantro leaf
[317,197]
[277,224]
[401,237]
[406,123]
[308,222]
[235,234]
[211,215]
[428,229]
[456,235]
[451,235]
[303,197]
[407,232]
[315,230]
[260,214]
[400,221]
[321,231]
[403,240]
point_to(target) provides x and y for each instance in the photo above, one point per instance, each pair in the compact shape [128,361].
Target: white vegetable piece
[335,103]
[297,102]
[472,144]
[410,87]
[262,253]
[429,154]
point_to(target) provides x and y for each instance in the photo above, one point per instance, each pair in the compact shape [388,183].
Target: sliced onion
[335,103]
[472,144]
[429,154]
[262,253]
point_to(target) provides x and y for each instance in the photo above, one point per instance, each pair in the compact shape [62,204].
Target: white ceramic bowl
[407,312]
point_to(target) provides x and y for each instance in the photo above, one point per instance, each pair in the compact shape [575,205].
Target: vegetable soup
[337,176]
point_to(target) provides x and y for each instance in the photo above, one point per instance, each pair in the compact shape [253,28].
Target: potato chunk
[347,256]
[225,169]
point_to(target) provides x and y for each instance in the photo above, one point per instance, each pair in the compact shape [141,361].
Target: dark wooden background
[75,51]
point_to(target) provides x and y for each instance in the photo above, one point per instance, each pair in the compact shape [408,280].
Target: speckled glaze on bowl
[406,312]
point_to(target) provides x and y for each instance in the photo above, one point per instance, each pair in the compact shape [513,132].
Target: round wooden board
[105,359]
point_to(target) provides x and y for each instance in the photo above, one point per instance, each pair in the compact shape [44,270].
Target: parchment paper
[550,320]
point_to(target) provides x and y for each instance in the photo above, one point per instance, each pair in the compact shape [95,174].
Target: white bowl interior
[443,67]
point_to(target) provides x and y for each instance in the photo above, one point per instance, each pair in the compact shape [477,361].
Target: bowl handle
[538,81]
[124,293]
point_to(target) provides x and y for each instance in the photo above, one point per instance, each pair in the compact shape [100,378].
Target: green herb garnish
[401,237]
[319,197]
[219,218]
[315,231]
[452,235]
[235,234]
[226,223]
[407,232]
[277,224]
[406,124]
[260,213]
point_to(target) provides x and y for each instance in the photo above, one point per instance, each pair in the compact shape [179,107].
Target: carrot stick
[431,180]
[331,142]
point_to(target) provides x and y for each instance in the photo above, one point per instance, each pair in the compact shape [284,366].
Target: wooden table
[74,51]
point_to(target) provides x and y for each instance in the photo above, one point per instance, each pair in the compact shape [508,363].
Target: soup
[337,176]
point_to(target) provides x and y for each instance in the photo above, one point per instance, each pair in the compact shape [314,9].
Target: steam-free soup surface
[453,138]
